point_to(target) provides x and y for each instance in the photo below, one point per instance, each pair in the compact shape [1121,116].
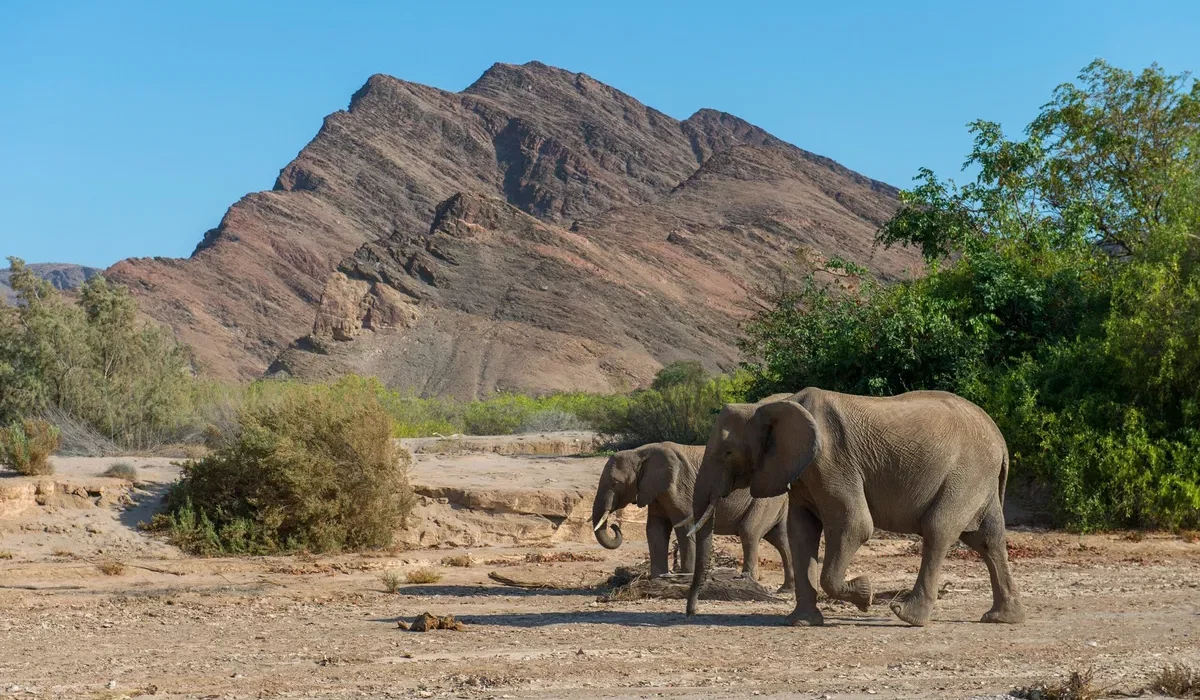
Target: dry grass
[1078,686]
[425,574]
[121,470]
[111,568]
[1133,536]
[554,557]
[1190,536]
[1178,681]
[390,580]
[461,560]
[64,553]
[5,554]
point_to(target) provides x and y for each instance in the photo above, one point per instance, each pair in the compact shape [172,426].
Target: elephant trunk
[704,538]
[601,510]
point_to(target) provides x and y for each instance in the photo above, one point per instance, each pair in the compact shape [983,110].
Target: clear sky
[127,128]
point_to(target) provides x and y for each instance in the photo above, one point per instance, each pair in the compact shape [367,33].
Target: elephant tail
[1003,474]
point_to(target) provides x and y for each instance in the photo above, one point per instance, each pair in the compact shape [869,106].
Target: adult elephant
[926,462]
[660,476]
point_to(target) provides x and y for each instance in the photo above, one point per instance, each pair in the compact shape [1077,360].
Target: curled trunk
[601,510]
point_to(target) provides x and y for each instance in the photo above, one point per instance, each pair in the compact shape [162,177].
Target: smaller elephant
[661,476]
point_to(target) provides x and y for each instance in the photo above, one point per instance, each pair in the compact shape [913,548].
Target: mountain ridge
[558,146]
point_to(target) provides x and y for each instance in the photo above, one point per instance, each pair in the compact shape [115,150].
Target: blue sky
[127,128]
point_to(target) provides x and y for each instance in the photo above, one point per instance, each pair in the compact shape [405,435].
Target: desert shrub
[1063,296]
[679,372]
[26,446]
[121,470]
[682,413]
[503,414]
[111,567]
[391,581]
[1177,681]
[424,574]
[314,470]
[460,560]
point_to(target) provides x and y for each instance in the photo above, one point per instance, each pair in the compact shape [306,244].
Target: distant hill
[537,231]
[61,275]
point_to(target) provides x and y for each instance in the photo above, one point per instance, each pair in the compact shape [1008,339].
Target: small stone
[112,685]
[13,689]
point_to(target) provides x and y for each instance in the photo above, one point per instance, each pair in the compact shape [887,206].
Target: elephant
[660,475]
[929,463]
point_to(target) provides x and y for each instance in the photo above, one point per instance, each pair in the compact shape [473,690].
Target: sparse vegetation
[390,580]
[26,446]
[121,470]
[313,470]
[5,554]
[425,574]
[1078,686]
[1177,681]
[459,560]
[63,553]
[111,567]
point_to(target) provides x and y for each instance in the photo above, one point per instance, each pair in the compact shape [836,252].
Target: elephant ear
[784,440]
[656,473]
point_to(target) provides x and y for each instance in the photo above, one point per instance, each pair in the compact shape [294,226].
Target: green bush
[679,372]
[311,469]
[1063,296]
[26,446]
[682,413]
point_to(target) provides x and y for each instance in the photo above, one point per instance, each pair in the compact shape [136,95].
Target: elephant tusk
[601,523]
[703,518]
[686,522]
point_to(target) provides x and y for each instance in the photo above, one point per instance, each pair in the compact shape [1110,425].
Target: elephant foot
[806,618]
[915,611]
[786,588]
[1011,613]
[861,593]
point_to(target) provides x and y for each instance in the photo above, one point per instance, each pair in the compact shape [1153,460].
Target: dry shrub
[111,568]
[121,470]
[1178,681]
[313,469]
[79,439]
[1077,687]
[557,557]
[1190,536]
[425,574]
[1133,536]
[461,560]
[390,581]
[5,554]
[26,446]
[63,553]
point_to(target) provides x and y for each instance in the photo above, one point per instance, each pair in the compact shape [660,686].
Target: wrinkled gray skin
[660,476]
[926,462]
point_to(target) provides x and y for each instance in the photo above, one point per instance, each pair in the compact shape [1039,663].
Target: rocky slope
[538,230]
[61,275]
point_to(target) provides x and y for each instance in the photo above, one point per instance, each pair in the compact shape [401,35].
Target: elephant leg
[749,555]
[658,538]
[938,532]
[844,534]
[804,537]
[778,538]
[687,550]
[991,544]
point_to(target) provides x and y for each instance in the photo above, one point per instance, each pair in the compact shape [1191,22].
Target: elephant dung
[427,622]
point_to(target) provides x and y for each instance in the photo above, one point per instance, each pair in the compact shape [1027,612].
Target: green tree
[1063,295]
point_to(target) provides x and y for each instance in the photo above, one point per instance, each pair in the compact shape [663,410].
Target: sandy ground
[324,627]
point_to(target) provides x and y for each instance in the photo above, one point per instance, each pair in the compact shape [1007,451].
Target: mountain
[62,275]
[538,230]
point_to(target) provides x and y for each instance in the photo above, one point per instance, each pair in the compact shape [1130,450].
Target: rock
[425,623]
